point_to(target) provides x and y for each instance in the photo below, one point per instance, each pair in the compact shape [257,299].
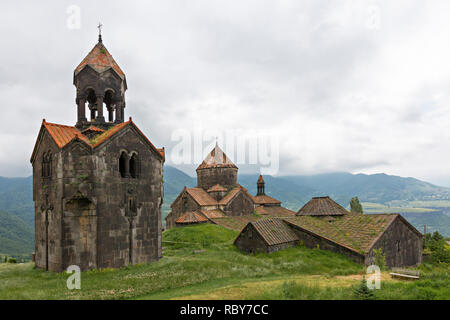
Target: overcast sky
[359,86]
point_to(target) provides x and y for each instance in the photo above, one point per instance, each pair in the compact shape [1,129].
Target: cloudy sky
[359,86]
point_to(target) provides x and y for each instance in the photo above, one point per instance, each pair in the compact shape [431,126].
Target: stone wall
[208,177]
[96,218]
[250,241]
[401,246]
[240,205]
[182,204]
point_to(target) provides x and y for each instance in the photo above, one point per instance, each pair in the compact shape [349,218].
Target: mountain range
[17,207]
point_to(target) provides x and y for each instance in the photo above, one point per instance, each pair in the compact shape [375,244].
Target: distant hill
[16,196]
[16,236]
[17,205]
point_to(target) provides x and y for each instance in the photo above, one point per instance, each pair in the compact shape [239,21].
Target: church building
[218,196]
[98,185]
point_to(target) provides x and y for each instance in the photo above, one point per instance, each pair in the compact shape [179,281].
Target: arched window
[123,164]
[134,166]
[47,164]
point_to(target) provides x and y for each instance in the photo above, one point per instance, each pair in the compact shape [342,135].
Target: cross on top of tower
[100,25]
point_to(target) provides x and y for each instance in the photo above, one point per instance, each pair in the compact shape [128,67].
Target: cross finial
[217,138]
[100,25]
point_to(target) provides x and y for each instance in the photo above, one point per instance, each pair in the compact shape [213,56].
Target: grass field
[201,263]
[370,207]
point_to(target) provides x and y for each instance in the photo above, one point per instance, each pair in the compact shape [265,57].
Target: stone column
[100,117]
[119,111]
[81,101]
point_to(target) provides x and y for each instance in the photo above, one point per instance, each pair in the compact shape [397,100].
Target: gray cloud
[345,90]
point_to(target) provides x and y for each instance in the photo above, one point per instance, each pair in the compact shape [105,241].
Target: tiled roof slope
[232,193]
[201,197]
[274,231]
[265,199]
[213,214]
[100,60]
[322,206]
[191,217]
[62,134]
[356,232]
[275,211]
[216,159]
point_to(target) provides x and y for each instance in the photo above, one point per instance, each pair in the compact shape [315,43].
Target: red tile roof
[265,199]
[62,134]
[191,217]
[322,206]
[98,140]
[93,128]
[216,159]
[201,197]
[100,60]
[213,214]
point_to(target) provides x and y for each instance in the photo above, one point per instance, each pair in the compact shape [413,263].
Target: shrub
[379,258]
[12,260]
[362,292]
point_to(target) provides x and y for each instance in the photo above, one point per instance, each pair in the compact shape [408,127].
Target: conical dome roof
[216,159]
[100,60]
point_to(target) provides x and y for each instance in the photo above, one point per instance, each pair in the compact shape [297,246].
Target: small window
[398,245]
[250,234]
[134,166]
[123,165]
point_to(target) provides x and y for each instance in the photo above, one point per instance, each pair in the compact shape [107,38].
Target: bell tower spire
[100,84]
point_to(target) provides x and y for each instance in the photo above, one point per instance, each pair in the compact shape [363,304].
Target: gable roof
[216,159]
[191,217]
[213,214]
[274,231]
[232,193]
[355,232]
[265,199]
[201,197]
[322,206]
[100,60]
[62,135]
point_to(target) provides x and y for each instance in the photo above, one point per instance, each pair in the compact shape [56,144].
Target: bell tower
[101,86]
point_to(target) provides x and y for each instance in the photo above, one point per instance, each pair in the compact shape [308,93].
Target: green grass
[433,285]
[185,270]
[370,207]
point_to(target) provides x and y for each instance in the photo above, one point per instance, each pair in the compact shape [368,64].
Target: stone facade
[97,197]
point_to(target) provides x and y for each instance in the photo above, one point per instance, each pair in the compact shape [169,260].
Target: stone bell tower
[97,186]
[101,86]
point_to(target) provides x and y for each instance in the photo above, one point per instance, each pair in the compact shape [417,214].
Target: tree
[355,206]
[362,292]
